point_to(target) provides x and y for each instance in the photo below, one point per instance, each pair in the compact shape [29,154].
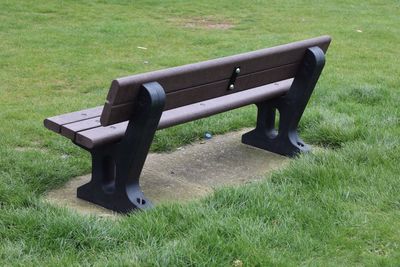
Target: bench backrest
[201,81]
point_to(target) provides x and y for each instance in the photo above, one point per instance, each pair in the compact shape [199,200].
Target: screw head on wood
[231,87]
[237,70]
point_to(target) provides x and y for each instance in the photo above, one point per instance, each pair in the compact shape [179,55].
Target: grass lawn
[339,205]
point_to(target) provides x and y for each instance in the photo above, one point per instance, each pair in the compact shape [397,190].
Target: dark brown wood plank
[124,90]
[69,130]
[221,104]
[118,113]
[218,89]
[186,76]
[103,135]
[55,123]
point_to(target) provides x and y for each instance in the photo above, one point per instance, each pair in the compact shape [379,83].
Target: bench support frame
[285,140]
[116,168]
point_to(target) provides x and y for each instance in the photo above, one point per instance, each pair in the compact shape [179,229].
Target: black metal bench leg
[291,106]
[116,169]
[101,188]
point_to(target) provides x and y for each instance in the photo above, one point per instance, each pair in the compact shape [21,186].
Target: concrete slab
[188,173]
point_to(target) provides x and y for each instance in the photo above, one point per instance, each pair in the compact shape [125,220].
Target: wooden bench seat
[84,127]
[119,134]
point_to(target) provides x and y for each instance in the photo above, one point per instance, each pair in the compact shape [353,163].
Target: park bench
[119,134]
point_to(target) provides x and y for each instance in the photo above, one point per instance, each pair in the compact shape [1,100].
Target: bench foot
[116,168]
[289,144]
[285,140]
[121,201]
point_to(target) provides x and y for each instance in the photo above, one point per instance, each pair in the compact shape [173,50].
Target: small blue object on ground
[207,135]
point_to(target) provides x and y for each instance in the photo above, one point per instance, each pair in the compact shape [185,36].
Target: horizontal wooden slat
[124,90]
[55,123]
[103,135]
[117,113]
[221,104]
[69,130]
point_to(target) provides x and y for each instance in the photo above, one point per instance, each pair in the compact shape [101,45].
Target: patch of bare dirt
[206,23]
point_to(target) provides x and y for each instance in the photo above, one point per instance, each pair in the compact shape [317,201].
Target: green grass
[337,206]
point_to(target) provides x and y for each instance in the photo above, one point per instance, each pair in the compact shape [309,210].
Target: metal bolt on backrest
[232,80]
